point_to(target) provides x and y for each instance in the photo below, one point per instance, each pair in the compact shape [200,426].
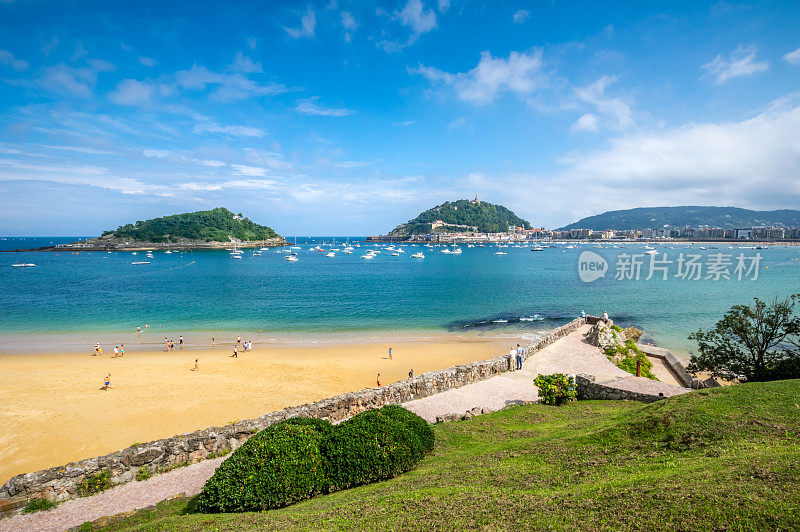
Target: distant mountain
[215,225]
[692,216]
[462,215]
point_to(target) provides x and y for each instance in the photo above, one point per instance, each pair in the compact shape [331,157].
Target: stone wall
[589,389]
[675,366]
[61,483]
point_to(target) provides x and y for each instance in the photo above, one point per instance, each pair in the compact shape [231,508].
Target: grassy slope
[716,459]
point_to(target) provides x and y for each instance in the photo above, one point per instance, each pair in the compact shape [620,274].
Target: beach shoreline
[55,411]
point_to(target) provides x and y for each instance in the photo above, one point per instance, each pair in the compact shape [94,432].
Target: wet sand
[54,411]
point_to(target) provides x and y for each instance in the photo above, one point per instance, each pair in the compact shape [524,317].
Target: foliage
[95,483]
[144,473]
[215,225]
[556,389]
[369,447]
[716,459]
[679,217]
[38,504]
[760,341]
[301,457]
[484,217]
[625,356]
[278,466]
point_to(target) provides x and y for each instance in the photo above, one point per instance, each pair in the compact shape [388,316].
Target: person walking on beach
[238,340]
[107,382]
[379,379]
[166,344]
[212,341]
[196,366]
[411,373]
[138,329]
[235,352]
[180,342]
[116,351]
[519,357]
[96,350]
[121,350]
[390,353]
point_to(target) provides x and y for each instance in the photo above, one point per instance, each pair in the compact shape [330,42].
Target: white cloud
[49,46]
[348,21]
[8,59]
[252,42]
[249,171]
[242,63]
[233,131]
[132,92]
[458,123]
[740,62]
[68,80]
[210,162]
[147,61]
[417,18]
[229,87]
[311,107]
[793,57]
[444,5]
[307,24]
[521,73]
[521,16]
[614,110]
[587,122]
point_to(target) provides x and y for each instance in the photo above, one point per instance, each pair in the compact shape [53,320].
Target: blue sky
[348,117]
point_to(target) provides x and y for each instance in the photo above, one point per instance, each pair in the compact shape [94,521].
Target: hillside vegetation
[481,216]
[211,226]
[720,459]
[693,216]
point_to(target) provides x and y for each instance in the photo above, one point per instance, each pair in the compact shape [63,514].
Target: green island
[202,229]
[460,216]
[717,459]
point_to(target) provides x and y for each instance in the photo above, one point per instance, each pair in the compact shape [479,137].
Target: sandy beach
[54,410]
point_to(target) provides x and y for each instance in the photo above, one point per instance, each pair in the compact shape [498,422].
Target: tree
[759,341]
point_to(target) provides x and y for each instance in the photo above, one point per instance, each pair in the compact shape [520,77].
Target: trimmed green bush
[301,457]
[369,447]
[556,389]
[276,467]
[625,357]
[420,427]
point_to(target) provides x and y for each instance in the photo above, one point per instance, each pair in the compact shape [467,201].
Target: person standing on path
[519,357]
[510,357]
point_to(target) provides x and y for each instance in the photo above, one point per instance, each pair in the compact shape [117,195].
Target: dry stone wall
[589,389]
[61,483]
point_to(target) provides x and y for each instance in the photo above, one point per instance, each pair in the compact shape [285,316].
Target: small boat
[145,261]
[418,256]
[537,248]
[368,256]
[291,258]
[23,265]
[651,252]
[500,253]
[330,254]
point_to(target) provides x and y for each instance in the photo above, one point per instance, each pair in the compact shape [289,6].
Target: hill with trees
[462,215]
[692,216]
[215,225]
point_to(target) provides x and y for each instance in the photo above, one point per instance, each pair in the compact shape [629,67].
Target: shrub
[277,466]
[371,446]
[144,473]
[300,457]
[38,504]
[420,427]
[95,483]
[556,389]
[625,357]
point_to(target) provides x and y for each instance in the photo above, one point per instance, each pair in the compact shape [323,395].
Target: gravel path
[569,355]
[132,496]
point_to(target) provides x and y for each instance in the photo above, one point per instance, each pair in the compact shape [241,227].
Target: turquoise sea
[200,292]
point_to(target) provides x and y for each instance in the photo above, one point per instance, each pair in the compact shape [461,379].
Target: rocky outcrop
[61,483]
[603,335]
[632,333]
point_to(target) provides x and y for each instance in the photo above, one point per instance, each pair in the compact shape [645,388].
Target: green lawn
[720,459]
